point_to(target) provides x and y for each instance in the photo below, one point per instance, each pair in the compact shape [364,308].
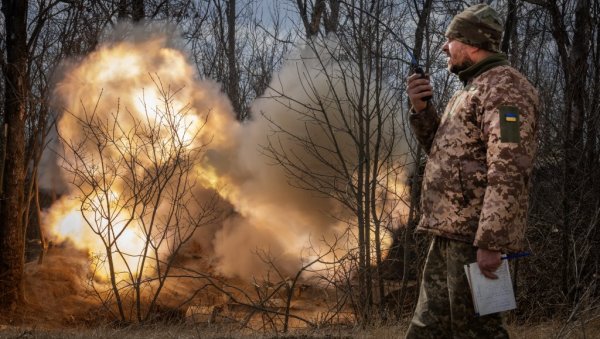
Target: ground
[59,306]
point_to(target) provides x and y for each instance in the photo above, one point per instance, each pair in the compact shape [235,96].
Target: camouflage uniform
[478,26]
[476,181]
[480,155]
[445,307]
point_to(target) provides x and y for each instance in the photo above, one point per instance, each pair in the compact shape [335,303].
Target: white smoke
[268,215]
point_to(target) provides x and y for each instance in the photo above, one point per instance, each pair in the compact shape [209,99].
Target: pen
[515,255]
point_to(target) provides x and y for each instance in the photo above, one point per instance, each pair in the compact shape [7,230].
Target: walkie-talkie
[420,71]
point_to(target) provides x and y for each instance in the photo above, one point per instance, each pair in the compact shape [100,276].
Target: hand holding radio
[419,89]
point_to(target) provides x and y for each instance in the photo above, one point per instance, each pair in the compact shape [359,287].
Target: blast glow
[120,82]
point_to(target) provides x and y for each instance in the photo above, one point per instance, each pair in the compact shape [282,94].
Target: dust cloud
[265,218]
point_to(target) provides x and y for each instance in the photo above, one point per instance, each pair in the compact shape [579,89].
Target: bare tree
[408,240]
[152,163]
[234,44]
[556,44]
[134,7]
[349,150]
[313,13]
[12,230]
[312,23]
[573,52]
[137,10]
[37,47]
[509,25]
[56,30]
[233,76]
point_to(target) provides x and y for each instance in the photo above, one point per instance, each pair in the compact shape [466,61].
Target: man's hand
[418,88]
[488,262]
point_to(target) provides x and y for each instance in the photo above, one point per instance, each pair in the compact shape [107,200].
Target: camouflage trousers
[445,308]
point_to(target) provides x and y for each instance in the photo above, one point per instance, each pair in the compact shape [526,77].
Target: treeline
[243,43]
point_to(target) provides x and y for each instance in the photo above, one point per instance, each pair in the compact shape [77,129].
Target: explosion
[156,163]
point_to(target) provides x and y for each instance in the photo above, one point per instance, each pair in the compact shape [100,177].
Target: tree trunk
[12,237]
[122,10]
[137,10]
[417,172]
[575,101]
[331,18]
[312,25]
[574,65]
[509,25]
[232,62]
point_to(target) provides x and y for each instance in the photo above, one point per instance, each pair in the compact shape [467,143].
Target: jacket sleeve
[508,130]
[424,124]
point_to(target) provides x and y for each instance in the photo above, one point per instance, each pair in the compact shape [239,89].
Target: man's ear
[473,50]
[477,53]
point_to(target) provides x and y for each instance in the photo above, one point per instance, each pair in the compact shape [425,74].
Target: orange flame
[129,82]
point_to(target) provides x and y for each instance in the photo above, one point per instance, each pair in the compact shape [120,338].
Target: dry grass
[58,307]
[581,328]
[591,329]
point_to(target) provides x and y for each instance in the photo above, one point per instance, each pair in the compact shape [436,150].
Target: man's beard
[457,68]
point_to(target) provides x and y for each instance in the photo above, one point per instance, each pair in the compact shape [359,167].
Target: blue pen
[515,255]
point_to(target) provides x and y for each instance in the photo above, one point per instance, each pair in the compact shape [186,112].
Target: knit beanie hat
[479,26]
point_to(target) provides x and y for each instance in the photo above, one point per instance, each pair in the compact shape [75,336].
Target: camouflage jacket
[480,156]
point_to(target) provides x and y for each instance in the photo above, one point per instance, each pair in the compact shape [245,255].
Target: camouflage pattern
[445,307]
[475,186]
[479,26]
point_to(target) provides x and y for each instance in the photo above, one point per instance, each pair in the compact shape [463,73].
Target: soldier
[476,181]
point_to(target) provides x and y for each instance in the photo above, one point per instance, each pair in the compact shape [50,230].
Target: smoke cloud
[264,210]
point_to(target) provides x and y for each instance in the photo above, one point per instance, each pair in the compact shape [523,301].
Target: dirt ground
[60,306]
[156,331]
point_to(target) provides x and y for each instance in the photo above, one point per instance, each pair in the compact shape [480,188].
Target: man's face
[458,56]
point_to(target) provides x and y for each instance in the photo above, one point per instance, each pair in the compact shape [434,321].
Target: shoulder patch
[509,124]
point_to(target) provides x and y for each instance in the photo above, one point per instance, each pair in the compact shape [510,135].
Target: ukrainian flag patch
[511,117]
[509,124]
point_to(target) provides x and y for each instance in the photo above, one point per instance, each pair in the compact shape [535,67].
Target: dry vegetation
[59,306]
[186,330]
[555,43]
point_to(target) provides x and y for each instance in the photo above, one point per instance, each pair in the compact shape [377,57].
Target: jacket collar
[495,60]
